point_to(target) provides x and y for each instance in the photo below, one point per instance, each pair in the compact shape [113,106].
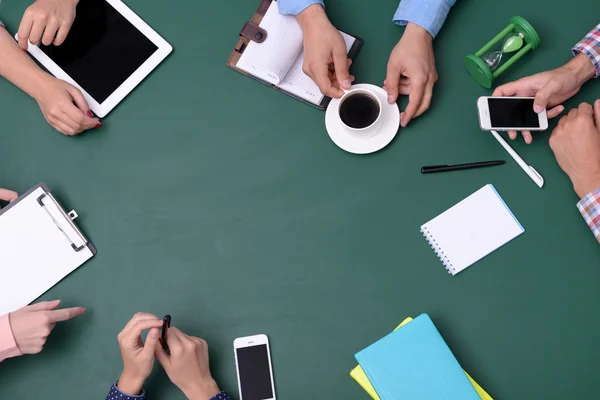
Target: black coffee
[359,111]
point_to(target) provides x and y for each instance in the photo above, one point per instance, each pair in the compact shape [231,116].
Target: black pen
[163,334]
[443,168]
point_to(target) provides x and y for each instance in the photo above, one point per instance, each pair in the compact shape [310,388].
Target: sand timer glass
[516,40]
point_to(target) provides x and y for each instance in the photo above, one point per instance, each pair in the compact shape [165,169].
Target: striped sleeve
[589,207]
[590,46]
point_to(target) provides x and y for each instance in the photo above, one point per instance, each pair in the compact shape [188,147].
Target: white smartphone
[254,368]
[510,114]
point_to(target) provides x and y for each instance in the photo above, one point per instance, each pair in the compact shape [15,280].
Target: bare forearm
[18,68]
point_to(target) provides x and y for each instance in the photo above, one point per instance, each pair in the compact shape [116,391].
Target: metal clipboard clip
[69,217]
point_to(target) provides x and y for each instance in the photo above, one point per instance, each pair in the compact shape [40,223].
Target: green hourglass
[485,65]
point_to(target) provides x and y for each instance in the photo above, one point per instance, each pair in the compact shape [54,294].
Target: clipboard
[251,31]
[40,244]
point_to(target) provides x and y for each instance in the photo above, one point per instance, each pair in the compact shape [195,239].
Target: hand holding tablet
[64,107]
[108,52]
[47,21]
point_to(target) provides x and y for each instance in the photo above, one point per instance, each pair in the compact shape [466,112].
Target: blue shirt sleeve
[116,394]
[295,7]
[221,396]
[428,14]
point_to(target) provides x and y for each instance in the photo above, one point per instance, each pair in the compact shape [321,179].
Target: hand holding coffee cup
[362,121]
[360,111]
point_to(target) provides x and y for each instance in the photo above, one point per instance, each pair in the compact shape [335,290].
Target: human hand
[48,21]
[32,325]
[325,57]
[411,71]
[64,107]
[576,146]
[8,195]
[550,88]
[138,357]
[187,367]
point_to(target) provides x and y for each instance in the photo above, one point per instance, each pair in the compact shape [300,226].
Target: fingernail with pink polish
[89,114]
[98,125]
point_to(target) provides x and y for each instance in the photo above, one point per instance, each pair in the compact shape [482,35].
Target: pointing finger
[24,31]
[44,305]
[65,314]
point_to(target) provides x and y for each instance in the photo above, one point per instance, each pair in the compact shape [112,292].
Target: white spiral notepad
[471,229]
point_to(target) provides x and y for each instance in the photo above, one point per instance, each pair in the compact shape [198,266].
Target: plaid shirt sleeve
[589,207]
[590,46]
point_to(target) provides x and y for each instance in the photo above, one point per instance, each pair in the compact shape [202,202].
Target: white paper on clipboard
[39,246]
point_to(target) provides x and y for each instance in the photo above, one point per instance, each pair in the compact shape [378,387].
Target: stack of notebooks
[414,363]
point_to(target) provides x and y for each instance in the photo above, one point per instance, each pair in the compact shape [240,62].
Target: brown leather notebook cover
[251,31]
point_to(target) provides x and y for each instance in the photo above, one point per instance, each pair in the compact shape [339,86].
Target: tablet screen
[102,49]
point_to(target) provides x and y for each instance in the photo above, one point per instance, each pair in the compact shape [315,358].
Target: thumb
[342,72]
[542,97]
[8,195]
[597,113]
[151,342]
[44,306]
[161,356]
[78,99]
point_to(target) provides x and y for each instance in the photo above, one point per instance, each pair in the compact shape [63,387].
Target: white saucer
[363,143]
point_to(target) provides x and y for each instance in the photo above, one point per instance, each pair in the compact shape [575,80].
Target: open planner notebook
[471,229]
[271,51]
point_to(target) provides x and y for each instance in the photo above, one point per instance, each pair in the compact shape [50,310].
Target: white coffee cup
[375,125]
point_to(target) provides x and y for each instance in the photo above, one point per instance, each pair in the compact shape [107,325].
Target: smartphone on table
[510,114]
[254,368]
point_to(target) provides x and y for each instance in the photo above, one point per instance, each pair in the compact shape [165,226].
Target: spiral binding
[438,250]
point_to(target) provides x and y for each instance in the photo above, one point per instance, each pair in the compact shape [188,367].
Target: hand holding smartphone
[254,368]
[510,114]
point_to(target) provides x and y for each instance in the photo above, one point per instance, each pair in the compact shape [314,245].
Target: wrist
[130,384]
[311,14]
[583,189]
[40,82]
[415,30]
[202,391]
[582,67]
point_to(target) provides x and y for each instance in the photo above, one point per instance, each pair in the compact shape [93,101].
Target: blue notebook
[414,363]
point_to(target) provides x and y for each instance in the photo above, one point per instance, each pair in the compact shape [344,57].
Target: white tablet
[108,52]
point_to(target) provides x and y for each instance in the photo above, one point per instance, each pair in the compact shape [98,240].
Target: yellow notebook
[359,376]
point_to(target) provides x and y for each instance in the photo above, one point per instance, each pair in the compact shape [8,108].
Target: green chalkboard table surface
[225,204]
